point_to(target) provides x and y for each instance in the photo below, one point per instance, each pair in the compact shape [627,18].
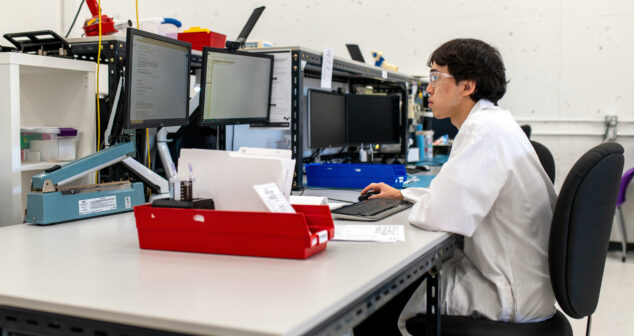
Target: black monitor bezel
[396,125]
[308,118]
[184,120]
[231,121]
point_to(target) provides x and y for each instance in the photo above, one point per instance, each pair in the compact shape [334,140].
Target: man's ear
[468,87]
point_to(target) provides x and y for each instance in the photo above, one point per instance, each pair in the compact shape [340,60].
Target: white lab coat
[494,191]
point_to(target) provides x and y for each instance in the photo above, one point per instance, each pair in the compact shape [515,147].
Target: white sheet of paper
[369,232]
[281,87]
[327,61]
[273,199]
[229,177]
[309,200]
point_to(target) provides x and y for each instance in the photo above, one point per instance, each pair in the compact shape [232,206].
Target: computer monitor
[326,119]
[156,80]
[372,119]
[355,52]
[235,88]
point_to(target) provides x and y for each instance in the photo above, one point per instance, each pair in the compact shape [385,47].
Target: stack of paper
[368,232]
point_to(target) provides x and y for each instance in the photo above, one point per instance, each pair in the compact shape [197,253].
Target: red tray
[261,234]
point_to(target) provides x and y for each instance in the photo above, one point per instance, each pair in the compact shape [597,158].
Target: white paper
[309,200]
[281,87]
[384,74]
[228,177]
[369,232]
[273,199]
[327,61]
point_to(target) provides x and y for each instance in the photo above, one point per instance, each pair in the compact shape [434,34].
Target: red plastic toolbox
[202,39]
[262,234]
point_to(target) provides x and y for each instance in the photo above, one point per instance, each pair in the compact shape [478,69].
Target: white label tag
[327,61]
[100,204]
[273,198]
[128,202]
[384,74]
[323,236]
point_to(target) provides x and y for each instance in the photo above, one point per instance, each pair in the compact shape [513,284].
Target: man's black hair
[471,59]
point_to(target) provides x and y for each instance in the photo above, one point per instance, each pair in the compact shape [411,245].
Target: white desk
[95,269]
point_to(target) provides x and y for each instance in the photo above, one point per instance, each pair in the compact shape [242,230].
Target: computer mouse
[367,195]
[423,168]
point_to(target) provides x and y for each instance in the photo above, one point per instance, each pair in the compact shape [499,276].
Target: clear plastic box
[52,144]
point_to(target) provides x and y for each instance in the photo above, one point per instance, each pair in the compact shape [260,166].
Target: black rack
[307,63]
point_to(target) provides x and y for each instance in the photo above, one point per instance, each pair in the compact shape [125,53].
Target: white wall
[567,59]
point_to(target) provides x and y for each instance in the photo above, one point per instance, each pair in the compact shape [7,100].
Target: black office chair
[546,159]
[577,249]
[527,130]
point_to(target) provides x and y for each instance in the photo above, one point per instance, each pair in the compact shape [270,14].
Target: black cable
[75,19]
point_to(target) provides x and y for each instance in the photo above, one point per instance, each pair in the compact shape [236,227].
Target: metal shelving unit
[307,63]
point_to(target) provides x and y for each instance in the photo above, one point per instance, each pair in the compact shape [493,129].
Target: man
[492,190]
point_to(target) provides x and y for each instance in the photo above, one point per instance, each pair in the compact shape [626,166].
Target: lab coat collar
[480,105]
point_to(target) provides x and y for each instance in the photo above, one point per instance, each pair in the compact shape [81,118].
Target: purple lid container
[67,131]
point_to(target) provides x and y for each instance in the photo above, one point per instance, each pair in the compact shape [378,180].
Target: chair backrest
[546,159]
[625,181]
[581,226]
[527,130]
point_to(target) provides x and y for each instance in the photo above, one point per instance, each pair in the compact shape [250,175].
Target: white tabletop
[95,269]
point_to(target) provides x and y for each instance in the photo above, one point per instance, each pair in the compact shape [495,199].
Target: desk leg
[433,303]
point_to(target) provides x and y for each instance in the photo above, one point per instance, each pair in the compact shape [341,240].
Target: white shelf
[45,91]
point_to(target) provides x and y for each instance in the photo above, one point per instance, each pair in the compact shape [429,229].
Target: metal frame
[307,62]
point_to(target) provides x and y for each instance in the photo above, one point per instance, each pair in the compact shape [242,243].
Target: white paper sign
[327,61]
[273,198]
[281,88]
[369,232]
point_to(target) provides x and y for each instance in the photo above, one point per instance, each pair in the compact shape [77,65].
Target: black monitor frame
[203,89]
[309,113]
[150,123]
[395,126]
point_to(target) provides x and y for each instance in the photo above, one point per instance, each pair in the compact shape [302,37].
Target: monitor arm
[161,140]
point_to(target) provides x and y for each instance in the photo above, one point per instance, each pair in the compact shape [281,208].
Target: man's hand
[385,191]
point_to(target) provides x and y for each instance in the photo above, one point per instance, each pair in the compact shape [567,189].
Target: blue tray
[354,175]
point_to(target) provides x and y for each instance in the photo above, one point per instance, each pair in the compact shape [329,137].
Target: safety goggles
[436,76]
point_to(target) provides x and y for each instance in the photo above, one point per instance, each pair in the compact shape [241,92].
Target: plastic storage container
[261,234]
[348,175]
[48,144]
[200,37]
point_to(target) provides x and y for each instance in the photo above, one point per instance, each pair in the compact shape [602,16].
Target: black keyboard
[369,207]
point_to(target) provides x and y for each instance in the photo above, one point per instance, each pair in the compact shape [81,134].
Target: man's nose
[430,89]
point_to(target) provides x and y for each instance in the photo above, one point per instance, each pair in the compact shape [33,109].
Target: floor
[615,312]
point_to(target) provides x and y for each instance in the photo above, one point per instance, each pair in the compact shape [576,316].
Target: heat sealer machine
[52,201]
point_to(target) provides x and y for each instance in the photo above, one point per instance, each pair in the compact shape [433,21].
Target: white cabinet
[40,91]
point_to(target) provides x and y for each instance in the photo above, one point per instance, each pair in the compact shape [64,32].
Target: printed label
[93,205]
[128,202]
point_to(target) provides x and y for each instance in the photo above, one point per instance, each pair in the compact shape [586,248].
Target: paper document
[327,61]
[371,233]
[281,88]
[273,199]
[309,200]
[228,177]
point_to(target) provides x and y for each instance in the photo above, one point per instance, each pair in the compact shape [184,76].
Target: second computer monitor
[236,87]
[372,119]
[326,119]
[157,80]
